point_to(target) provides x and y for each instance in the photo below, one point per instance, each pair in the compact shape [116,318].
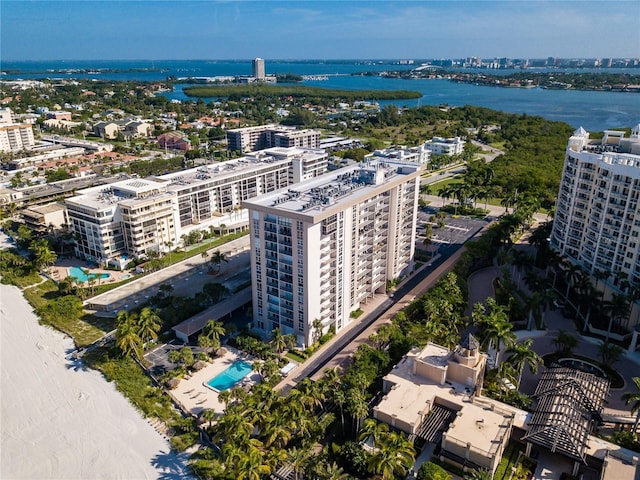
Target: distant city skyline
[158,29]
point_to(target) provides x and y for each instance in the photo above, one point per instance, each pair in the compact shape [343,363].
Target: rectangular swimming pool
[230,376]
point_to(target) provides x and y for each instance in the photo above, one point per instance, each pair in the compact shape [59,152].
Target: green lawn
[294,356]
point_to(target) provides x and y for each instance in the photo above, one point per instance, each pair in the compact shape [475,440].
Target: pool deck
[60,271]
[194,396]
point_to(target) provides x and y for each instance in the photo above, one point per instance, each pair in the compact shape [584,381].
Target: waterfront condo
[323,247]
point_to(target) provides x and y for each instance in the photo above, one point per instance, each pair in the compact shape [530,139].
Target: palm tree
[565,342]
[445,194]
[308,393]
[394,455]
[298,458]
[521,355]
[252,465]
[478,474]
[210,336]
[214,330]
[499,332]
[278,341]
[601,275]
[357,406]
[609,353]
[634,397]
[276,432]
[127,339]
[371,428]
[168,245]
[209,415]
[44,257]
[493,320]
[149,324]
[217,258]
[521,260]
[332,471]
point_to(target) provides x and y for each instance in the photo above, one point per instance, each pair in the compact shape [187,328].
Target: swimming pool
[78,274]
[230,376]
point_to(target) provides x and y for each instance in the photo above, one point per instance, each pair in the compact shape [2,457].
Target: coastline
[59,419]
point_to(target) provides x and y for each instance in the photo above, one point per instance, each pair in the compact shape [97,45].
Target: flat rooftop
[219,171]
[345,185]
[435,355]
[131,190]
[412,396]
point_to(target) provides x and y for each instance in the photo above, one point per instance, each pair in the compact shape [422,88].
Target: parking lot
[455,232]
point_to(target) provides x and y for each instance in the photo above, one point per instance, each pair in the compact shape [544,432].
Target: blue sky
[205,29]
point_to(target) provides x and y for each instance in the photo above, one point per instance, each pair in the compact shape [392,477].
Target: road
[339,349]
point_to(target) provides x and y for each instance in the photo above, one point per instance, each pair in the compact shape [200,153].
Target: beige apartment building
[250,139]
[133,217]
[14,136]
[321,248]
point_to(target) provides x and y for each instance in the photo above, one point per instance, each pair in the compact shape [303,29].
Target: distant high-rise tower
[258,68]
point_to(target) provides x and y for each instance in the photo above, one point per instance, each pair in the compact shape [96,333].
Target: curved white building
[597,220]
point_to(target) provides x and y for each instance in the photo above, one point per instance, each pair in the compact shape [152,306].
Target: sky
[317,29]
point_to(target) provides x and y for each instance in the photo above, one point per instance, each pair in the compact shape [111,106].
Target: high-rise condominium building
[257,66]
[597,220]
[133,217]
[250,139]
[324,246]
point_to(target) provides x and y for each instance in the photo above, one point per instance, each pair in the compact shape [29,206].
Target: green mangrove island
[297,91]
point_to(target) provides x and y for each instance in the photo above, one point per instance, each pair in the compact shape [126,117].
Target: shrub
[431,471]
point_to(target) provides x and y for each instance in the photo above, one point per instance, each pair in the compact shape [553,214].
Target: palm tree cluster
[211,334]
[612,314]
[43,255]
[261,431]
[135,330]
[495,330]
[392,452]
[437,316]
[476,183]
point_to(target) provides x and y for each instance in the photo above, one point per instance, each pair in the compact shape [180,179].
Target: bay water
[595,111]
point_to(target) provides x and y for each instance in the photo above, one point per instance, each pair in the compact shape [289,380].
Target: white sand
[61,421]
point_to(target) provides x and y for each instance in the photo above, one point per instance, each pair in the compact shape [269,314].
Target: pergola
[568,402]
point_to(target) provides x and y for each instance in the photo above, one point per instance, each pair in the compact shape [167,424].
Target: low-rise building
[175,140]
[44,218]
[58,115]
[130,128]
[435,394]
[445,146]
[250,139]
[419,154]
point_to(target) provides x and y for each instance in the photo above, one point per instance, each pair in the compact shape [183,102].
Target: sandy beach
[62,421]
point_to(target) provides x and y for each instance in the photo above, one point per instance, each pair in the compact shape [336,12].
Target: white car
[507,384]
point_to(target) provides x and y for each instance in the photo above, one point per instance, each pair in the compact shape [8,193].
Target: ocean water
[595,111]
